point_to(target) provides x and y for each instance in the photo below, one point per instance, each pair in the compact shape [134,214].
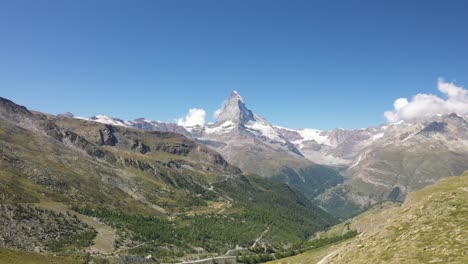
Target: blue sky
[320,64]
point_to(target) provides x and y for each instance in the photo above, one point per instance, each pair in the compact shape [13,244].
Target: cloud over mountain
[427,105]
[195,116]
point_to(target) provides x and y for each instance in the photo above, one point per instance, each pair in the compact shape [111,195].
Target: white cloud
[195,116]
[427,105]
[218,111]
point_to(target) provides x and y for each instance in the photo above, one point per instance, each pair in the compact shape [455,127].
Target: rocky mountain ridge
[251,143]
[377,163]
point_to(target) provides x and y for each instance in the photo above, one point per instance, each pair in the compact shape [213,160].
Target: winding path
[324,260]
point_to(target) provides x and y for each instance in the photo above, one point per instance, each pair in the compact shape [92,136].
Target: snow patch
[314,134]
[221,129]
[238,95]
[81,118]
[377,136]
[104,119]
[263,129]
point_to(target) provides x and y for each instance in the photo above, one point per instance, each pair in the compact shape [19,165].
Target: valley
[242,187]
[233,132]
[143,193]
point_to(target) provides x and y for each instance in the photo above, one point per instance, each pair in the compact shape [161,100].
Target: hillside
[163,194]
[430,227]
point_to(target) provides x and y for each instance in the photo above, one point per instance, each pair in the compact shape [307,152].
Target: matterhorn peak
[235,110]
[235,95]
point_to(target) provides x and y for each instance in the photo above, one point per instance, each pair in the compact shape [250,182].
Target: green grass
[310,256]
[363,221]
[259,204]
[21,257]
[431,227]
[296,249]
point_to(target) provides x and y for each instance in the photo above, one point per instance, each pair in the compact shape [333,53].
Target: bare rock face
[140,146]
[10,109]
[235,111]
[107,136]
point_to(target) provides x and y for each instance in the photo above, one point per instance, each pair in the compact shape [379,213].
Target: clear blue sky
[320,64]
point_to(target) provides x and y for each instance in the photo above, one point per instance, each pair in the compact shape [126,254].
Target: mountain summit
[250,142]
[235,111]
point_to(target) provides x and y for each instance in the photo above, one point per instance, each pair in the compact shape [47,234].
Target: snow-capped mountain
[250,142]
[377,163]
[140,123]
[387,161]
[336,147]
[109,120]
[234,116]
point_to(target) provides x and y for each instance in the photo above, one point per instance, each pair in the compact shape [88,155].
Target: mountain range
[104,189]
[343,171]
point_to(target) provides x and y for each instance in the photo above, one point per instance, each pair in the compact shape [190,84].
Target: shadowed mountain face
[127,176]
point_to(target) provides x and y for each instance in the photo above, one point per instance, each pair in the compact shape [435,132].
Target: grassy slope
[362,223]
[365,221]
[430,227]
[20,257]
[311,256]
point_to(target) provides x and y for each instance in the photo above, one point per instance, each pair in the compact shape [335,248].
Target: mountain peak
[235,110]
[66,114]
[235,95]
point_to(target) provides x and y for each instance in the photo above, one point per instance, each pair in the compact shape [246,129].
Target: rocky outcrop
[140,146]
[107,136]
[177,149]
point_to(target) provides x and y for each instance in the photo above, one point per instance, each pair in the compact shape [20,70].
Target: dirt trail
[104,241]
[260,237]
[324,260]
